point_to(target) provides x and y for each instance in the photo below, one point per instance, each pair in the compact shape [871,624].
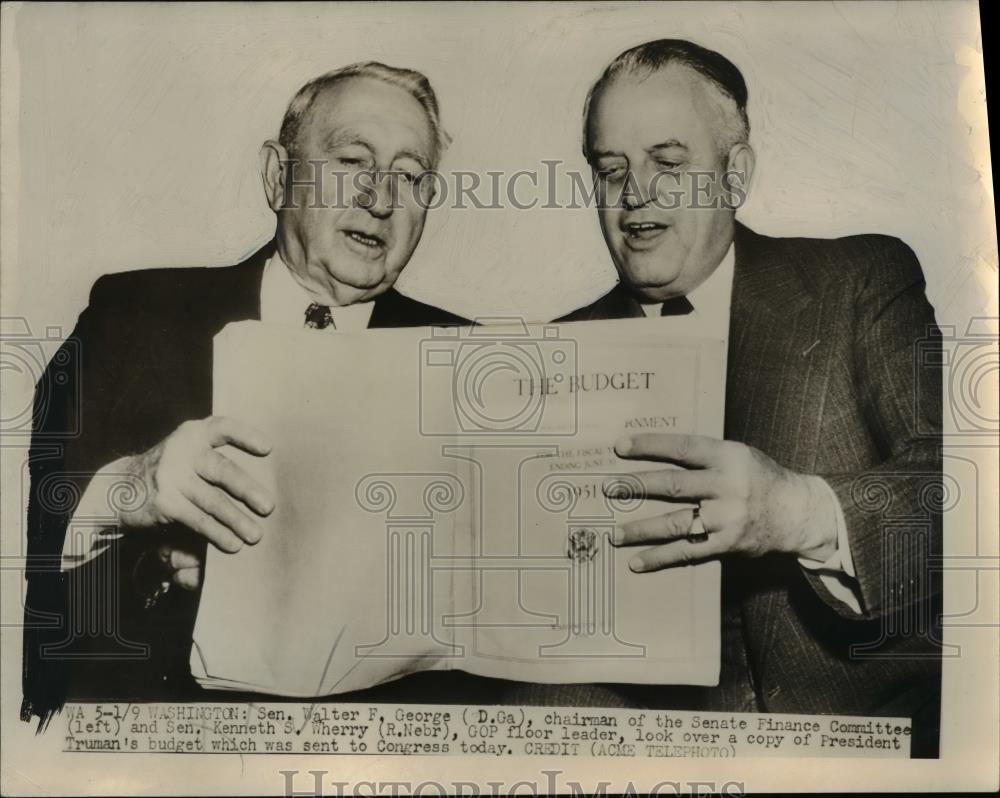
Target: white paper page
[544,615]
[338,595]
[401,436]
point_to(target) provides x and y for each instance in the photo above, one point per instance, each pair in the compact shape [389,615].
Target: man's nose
[379,198]
[637,191]
[631,201]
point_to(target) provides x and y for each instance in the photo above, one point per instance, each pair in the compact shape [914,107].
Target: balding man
[821,501]
[107,613]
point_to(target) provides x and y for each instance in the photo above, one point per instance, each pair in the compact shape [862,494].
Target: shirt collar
[711,299]
[284,301]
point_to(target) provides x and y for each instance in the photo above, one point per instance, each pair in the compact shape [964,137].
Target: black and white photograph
[509,397]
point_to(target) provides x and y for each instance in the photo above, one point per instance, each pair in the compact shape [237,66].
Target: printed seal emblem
[581,544]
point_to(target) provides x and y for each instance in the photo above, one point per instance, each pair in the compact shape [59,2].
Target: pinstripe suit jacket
[831,372]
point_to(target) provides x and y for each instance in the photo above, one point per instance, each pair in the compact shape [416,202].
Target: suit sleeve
[72,619]
[893,509]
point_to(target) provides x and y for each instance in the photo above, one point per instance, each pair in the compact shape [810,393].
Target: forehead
[675,103]
[385,116]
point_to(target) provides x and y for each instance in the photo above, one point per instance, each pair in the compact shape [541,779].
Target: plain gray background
[138,127]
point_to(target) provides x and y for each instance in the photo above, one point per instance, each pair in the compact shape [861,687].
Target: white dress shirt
[282,301]
[711,301]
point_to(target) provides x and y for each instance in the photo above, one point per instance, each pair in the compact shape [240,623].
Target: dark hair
[416,83]
[656,55]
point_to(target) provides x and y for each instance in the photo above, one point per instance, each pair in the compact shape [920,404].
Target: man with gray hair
[118,585]
[823,501]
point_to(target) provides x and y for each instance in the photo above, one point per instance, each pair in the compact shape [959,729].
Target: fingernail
[636,564]
[261,503]
[623,445]
[617,535]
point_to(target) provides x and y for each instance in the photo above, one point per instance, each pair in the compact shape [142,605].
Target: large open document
[440,505]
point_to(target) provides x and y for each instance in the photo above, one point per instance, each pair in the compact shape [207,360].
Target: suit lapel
[392,309]
[774,366]
[768,296]
[618,303]
[767,277]
[773,329]
[180,354]
[245,288]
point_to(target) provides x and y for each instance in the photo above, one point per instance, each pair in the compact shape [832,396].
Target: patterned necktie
[318,317]
[677,306]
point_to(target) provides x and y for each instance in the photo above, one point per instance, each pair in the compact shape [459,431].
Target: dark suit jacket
[831,371]
[138,363]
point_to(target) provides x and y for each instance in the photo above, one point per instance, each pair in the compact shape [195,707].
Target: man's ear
[272,171]
[739,171]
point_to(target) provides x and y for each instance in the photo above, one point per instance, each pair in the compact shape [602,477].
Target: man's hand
[749,503]
[187,481]
[181,567]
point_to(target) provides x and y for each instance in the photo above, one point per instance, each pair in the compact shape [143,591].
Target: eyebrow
[416,156]
[349,137]
[666,145]
[606,154]
[346,137]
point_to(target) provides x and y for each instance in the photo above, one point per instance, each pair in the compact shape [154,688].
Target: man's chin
[649,287]
[349,292]
[359,283]
[344,294]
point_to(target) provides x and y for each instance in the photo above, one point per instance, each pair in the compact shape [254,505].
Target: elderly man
[821,499]
[101,618]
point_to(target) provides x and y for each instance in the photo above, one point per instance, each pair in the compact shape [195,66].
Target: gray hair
[718,70]
[416,83]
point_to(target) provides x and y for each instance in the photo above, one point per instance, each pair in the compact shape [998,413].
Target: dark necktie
[318,317]
[676,306]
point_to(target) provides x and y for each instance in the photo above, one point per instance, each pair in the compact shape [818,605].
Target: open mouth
[368,240]
[639,234]
[642,229]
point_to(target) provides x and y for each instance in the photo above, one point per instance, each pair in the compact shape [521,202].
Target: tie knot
[318,317]
[676,306]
